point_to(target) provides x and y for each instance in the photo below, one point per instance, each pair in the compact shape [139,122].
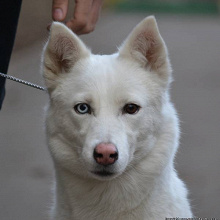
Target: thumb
[59,9]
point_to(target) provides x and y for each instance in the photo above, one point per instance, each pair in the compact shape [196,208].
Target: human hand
[85,16]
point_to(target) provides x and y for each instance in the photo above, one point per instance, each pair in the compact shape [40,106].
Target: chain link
[22,81]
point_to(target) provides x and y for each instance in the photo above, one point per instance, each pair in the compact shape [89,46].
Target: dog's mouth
[103,173]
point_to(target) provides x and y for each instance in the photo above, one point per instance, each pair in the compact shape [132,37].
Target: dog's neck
[76,196]
[80,198]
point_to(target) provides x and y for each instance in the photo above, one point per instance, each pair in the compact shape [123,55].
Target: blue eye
[82,108]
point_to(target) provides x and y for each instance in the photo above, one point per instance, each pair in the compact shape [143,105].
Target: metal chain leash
[22,81]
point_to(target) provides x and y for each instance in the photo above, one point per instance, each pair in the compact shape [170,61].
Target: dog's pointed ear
[146,46]
[61,52]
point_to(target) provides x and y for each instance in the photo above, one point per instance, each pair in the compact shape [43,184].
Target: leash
[22,81]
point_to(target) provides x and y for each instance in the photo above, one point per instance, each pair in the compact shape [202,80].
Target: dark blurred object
[167,6]
[9,12]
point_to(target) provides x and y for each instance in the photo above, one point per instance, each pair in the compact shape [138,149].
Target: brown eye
[131,109]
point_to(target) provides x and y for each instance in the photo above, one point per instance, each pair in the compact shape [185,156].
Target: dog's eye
[82,108]
[131,108]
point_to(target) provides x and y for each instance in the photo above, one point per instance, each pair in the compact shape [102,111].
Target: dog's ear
[61,52]
[146,46]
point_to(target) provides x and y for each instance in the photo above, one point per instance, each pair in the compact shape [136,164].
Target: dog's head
[106,111]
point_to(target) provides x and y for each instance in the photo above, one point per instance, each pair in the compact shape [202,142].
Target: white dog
[112,130]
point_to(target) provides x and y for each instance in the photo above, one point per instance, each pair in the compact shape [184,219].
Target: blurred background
[191,29]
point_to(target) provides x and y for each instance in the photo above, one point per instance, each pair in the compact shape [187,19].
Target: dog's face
[105,111]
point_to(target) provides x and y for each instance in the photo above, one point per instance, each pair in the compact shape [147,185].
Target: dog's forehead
[107,72]
[106,78]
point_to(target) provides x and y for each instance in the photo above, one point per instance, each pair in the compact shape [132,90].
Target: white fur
[145,185]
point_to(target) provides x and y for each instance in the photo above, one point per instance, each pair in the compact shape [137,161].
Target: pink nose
[105,154]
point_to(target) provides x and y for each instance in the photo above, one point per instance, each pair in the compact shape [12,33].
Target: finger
[81,15]
[49,26]
[95,12]
[93,17]
[59,9]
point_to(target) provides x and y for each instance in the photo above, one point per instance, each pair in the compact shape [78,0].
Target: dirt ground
[26,169]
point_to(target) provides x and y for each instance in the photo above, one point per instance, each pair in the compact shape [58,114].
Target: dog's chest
[110,201]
